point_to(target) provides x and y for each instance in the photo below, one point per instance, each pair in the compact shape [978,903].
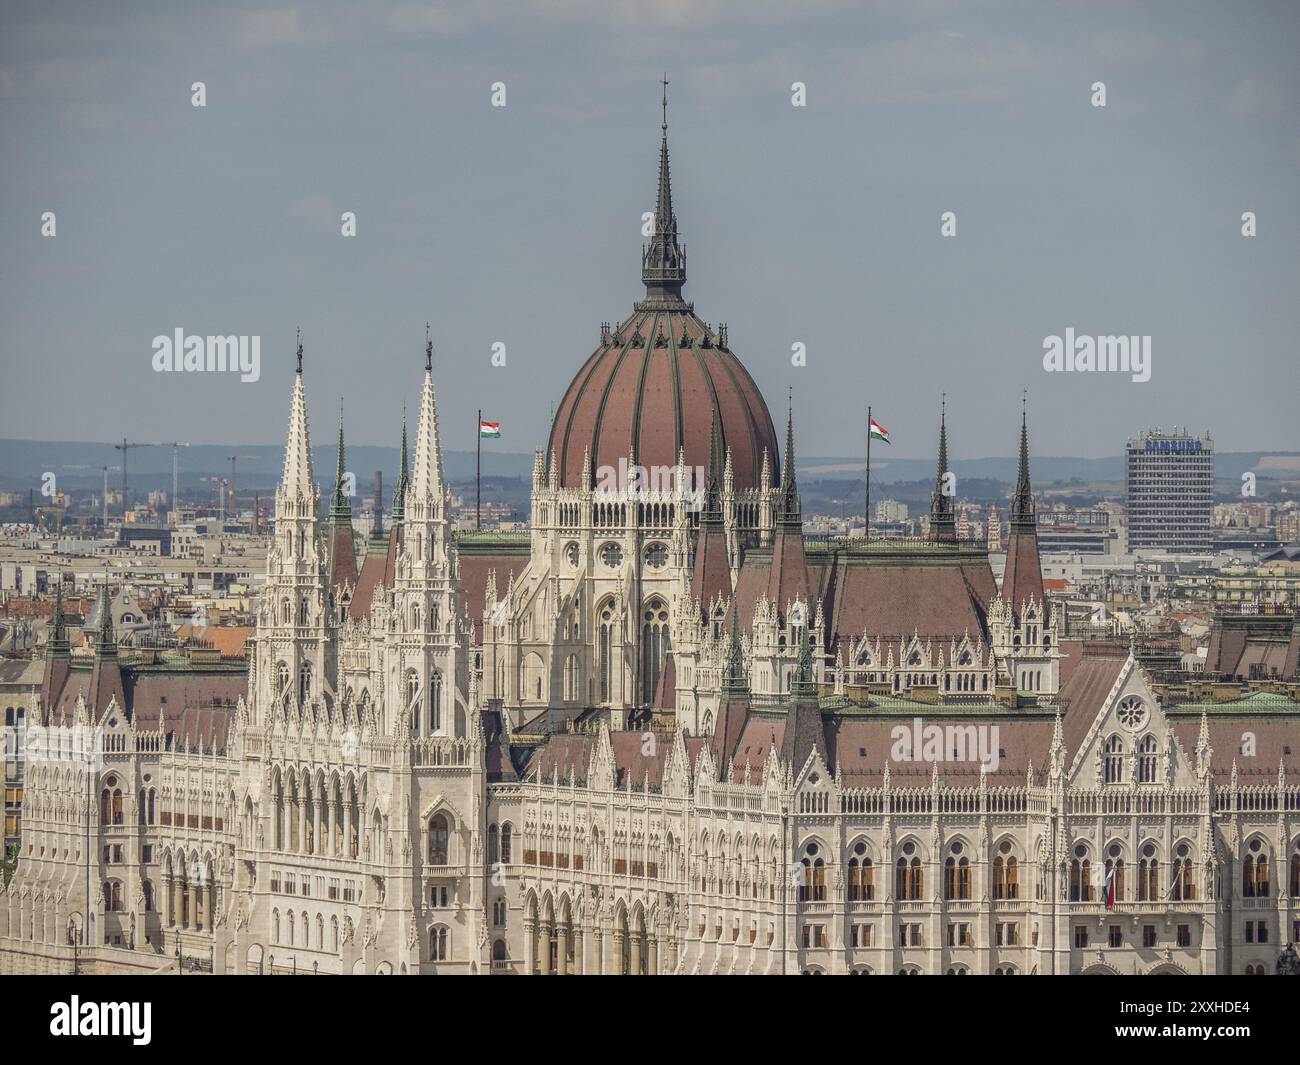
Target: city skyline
[521,225]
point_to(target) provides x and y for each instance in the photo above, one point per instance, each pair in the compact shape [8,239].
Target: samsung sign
[1174,445]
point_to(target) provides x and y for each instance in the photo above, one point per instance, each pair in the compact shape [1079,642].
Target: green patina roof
[1255,703]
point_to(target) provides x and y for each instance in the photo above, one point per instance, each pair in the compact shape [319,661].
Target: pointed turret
[341,508]
[711,573]
[58,661]
[789,512]
[943,523]
[733,706]
[57,646]
[663,260]
[106,674]
[398,510]
[788,576]
[735,681]
[342,546]
[298,480]
[426,487]
[105,641]
[803,726]
[1022,578]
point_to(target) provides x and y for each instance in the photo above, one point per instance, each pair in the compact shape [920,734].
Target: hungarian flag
[877,431]
[489,430]
[1108,888]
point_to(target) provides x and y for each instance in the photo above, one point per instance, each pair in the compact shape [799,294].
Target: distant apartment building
[890,510]
[1170,491]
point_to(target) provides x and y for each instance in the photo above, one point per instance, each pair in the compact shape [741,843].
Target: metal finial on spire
[428,348]
[298,339]
[663,260]
[1022,503]
[943,525]
[341,508]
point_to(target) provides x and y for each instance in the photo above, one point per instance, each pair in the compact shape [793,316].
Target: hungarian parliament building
[662,732]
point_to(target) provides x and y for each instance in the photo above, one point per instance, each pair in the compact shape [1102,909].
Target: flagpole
[866,531]
[478,472]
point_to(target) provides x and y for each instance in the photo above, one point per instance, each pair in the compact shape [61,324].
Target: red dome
[652,386]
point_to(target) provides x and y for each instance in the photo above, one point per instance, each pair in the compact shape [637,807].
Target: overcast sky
[521,225]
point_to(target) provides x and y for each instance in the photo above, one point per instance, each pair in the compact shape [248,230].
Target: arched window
[1080,875]
[1113,761]
[605,627]
[812,885]
[304,683]
[147,888]
[439,837]
[1295,872]
[494,846]
[1254,871]
[956,874]
[909,876]
[1149,887]
[505,843]
[1006,883]
[435,701]
[1115,865]
[1147,760]
[1184,883]
[413,698]
[654,647]
[862,886]
[438,943]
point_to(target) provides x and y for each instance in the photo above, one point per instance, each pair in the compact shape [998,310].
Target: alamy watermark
[632,481]
[212,354]
[924,743]
[1115,354]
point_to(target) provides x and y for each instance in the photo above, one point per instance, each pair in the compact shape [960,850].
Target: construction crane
[105,470]
[176,482]
[234,505]
[222,484]
[124,447]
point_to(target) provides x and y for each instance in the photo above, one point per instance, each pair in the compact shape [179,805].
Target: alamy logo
[134,1019]
[634,481]
[1080,354]
[213,354]
[945,743]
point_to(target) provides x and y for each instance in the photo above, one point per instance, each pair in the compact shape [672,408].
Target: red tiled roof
[659,401]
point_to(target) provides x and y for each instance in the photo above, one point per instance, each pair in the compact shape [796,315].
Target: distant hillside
[78,464]
[1046,469]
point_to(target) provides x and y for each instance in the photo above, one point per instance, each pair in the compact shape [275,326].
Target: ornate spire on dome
[943,525]
[663,260]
